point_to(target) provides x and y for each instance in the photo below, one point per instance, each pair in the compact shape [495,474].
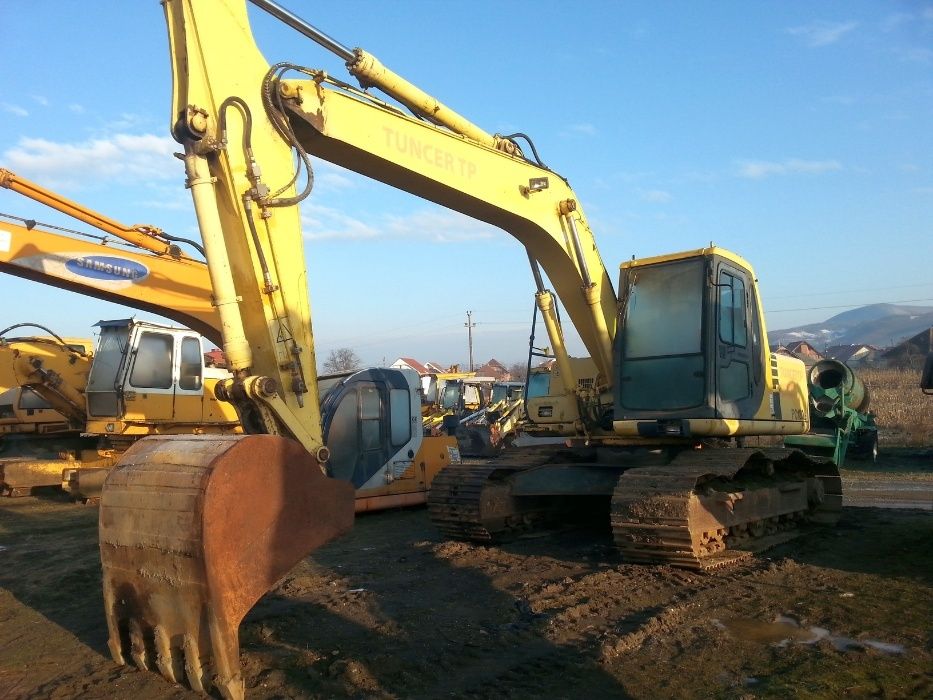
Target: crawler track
[703,510]
[473,501]
[707,509]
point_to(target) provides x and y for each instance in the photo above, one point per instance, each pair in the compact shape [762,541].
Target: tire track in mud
[393,611]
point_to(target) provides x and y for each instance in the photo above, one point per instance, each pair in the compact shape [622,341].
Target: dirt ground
[392,611]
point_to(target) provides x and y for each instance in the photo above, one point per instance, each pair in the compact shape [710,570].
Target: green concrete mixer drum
[831,383]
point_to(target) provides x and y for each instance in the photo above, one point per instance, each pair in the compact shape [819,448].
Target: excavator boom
[177,288]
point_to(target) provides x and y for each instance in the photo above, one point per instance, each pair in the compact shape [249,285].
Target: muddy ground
[394,611]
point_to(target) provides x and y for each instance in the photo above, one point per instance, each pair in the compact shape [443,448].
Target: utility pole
[469,324]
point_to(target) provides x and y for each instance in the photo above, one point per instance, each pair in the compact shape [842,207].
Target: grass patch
[903,412]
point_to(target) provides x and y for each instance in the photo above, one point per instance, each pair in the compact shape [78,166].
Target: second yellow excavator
[194,529]
[144,379]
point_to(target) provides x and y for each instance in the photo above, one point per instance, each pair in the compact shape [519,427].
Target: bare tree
[517,370]
[341,360]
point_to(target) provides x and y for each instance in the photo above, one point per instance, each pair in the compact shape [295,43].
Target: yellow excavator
[144,379]
[193,530]
[22,410]
[433,393]
[488,431]
[29,423]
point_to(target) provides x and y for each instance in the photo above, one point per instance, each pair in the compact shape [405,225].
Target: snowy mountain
[881,325]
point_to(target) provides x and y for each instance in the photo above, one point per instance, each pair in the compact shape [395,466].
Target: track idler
[193,531]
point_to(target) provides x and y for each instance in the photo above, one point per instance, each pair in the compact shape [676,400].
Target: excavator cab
[369,425]
[551,408]
[690,355]
[372,425]
[145,373]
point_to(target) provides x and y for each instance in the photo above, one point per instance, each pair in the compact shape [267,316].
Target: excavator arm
[184,554]
[144,236]
[51,367]
[533,204]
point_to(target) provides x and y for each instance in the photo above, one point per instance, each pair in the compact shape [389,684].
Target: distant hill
[875,324]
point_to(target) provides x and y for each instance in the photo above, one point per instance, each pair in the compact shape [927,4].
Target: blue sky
[797,134]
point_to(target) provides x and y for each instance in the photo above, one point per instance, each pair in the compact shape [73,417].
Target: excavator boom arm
[243,201]
[149,238]
[176,288]
[535,205]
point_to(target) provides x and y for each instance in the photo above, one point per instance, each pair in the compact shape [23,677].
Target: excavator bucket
[193,531]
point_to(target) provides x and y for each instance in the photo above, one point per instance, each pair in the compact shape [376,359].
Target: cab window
[190,365]
[153,366]
[399,416]
[732,324]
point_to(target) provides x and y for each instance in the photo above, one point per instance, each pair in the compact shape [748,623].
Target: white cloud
[14,109]
[44,101]
[440,226]
[127,121]
[122,158]
[427,225]
[76,108]
[170,203]
[583,128]
[759,169]
[332,176]
[822,33]
[654,196]
[321,223]
[914,54]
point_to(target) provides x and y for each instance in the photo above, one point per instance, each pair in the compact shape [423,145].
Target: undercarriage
[696,509]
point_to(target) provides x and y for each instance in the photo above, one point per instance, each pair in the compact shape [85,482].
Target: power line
[843,306]
[848,291]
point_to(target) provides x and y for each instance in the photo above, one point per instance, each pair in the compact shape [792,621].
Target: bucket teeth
[184,558]
[165,659]
[193,668]
[138,645]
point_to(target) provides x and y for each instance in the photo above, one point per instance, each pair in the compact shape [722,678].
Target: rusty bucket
[193,531]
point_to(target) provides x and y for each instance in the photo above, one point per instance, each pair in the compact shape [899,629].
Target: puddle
[781,631]
[784,631]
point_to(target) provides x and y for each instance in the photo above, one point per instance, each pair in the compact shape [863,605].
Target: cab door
[189,373]
[734,356]
[149,384]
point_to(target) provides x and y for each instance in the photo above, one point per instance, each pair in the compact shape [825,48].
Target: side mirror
[926,378]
